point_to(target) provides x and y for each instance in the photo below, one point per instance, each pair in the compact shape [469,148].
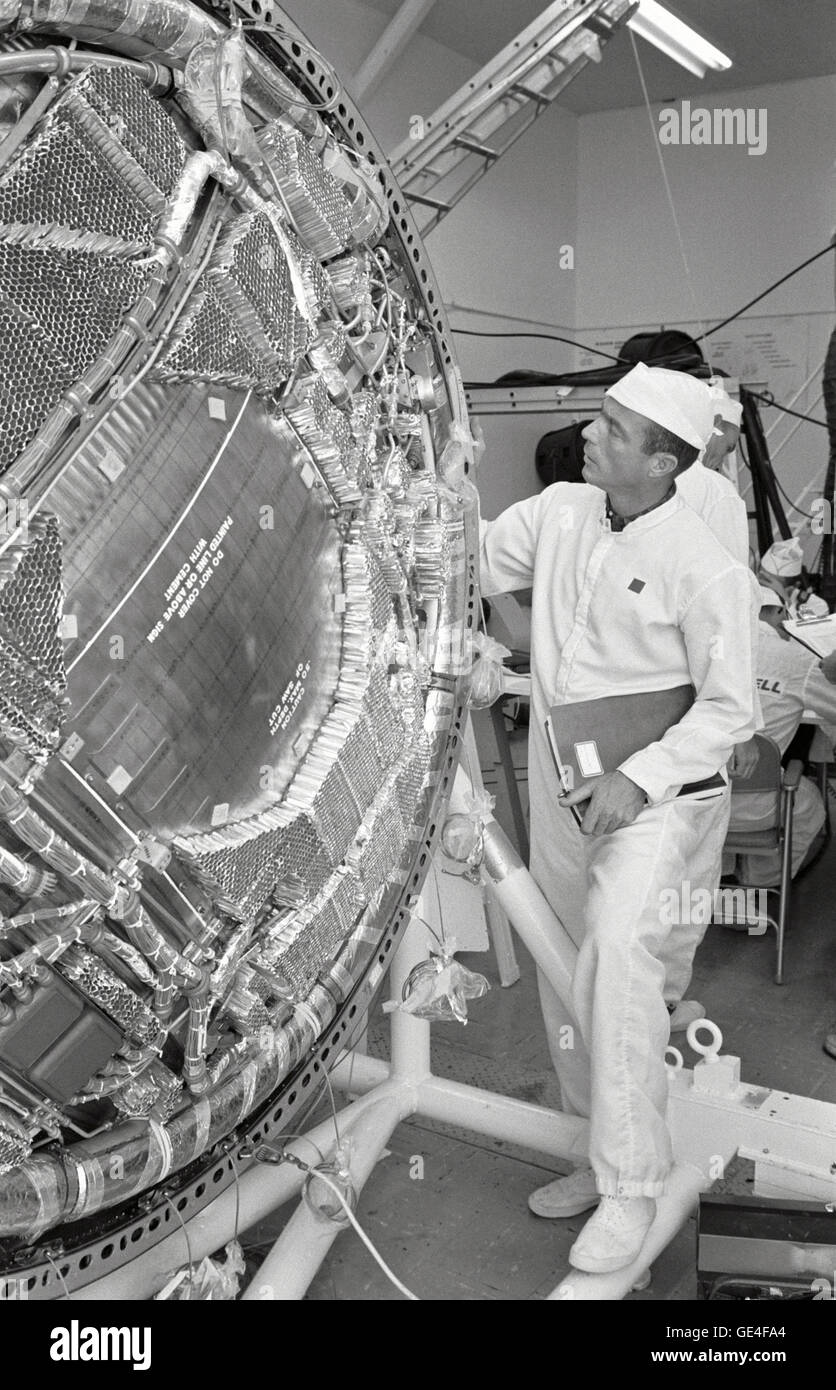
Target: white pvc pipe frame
[711,1116]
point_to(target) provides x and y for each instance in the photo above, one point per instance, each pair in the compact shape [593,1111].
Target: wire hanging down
[551,337]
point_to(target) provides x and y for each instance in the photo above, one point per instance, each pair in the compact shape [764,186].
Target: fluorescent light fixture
[682,43]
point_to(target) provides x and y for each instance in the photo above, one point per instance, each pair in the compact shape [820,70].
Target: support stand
[712,1117]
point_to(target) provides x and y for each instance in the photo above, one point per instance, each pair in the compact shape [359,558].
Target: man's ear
[661,465]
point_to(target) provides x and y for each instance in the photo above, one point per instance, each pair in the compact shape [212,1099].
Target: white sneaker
[567,1196]
[685,1012]
[614,1235]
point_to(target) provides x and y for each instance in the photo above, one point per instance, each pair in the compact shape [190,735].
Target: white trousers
[756,810]
[616,895]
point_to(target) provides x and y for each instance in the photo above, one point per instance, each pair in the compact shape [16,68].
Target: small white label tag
[588,759]
[120,779]
[110,464]
[70,747]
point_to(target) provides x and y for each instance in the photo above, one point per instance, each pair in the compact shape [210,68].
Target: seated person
[790,679]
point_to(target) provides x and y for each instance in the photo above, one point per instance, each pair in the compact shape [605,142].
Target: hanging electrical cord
[786,497]
[316,1172]
[767,291]
[416,917]
[61,1278]
[169,1203]
[333,1108]
[783,492]
[236,1172]
[758,297]
[669,193]
[407,1293]
[550,337]
[324,1178]
[768,399]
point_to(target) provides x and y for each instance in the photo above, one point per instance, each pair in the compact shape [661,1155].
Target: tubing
[306,1239]
[166,29]
[258,1192]
[50,1188]
[523,903]
[27,879]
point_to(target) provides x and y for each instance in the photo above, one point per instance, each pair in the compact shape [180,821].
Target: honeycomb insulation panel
[231,630]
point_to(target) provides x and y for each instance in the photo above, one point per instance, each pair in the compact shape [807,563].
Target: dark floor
[455,1227]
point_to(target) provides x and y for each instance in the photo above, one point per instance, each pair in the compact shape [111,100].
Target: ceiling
[769,41]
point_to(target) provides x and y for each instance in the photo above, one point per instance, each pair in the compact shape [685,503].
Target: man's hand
[744,759]
[613,801]
[478,440]
[721,442]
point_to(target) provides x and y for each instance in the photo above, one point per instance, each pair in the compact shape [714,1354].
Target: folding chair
[770,776]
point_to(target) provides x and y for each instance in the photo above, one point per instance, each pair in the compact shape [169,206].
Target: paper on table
[817,634]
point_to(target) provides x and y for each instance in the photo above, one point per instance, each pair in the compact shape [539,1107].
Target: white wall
[594,183]
[746,220]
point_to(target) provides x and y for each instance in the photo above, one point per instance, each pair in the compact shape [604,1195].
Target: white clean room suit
[790,680]
[715,498]
[657,605]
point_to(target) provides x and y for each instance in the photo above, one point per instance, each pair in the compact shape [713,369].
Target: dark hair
[658,440]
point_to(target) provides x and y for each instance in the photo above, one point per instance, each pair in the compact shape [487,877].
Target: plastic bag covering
[460,447]
[461,836]
[319,1196]
[212,83]
[209,1282]
[438,989]
[486,673]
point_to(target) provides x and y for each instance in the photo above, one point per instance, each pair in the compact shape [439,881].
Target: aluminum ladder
[450,151]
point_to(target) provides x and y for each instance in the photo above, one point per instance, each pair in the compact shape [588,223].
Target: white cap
[674,400]
[783,559]
[728,410]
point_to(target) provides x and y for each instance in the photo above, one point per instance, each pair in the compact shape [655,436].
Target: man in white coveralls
[631,593]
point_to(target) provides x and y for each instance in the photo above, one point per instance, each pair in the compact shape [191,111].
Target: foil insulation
[234,599]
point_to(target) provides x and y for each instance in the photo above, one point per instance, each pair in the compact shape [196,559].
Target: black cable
[741,444]
[768,399]
[758,297]
[767,291]
[800,510]
[552,338]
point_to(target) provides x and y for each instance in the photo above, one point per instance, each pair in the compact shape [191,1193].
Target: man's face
[614,456]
